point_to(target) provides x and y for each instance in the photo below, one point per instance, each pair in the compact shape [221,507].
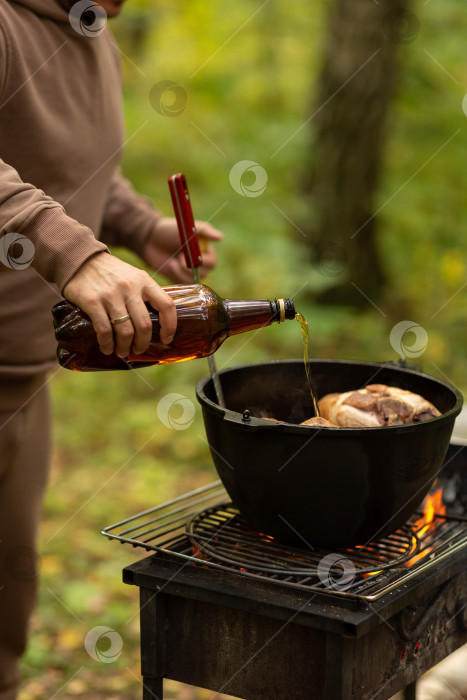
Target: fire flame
[433,506]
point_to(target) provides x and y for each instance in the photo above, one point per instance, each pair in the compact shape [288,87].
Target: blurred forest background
[247,84]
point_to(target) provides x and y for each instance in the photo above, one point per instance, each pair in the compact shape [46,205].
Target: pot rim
[255,423]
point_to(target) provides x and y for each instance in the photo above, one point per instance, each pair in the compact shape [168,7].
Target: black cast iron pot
[331,487]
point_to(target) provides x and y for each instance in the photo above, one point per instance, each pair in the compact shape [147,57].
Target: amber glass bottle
[204,321]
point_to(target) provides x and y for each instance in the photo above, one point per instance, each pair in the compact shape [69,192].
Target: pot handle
[402,363]
[186,223]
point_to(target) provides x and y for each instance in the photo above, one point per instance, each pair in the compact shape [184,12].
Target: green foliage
[250,93]
[249,81]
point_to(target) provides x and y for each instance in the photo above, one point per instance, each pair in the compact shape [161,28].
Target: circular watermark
[464,105]
[22,563]
[248,178]
[401,26]
[408,339]
[87,18]
[168,98]
[333,261]
[103,644]
[16,251]
[336,571]
[176,411]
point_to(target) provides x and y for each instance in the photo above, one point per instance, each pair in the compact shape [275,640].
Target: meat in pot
[374,406]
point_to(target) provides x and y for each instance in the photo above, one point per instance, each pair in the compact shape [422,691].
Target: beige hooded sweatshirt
[61,134]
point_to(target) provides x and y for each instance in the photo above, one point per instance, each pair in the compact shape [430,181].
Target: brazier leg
[410,691]
[153,642]
[153,688]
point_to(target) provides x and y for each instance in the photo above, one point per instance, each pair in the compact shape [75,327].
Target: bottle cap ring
[282,310]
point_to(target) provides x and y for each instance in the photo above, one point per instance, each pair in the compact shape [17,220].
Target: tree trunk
[355,87]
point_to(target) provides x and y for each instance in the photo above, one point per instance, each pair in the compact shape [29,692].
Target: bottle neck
[284,309]
[249,314]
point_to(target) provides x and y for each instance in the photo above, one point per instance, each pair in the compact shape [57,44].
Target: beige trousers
[24,460]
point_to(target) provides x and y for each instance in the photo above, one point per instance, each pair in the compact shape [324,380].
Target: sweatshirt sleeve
[61,244]
[129,218]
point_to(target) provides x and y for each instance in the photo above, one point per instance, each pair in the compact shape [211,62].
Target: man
[61,190]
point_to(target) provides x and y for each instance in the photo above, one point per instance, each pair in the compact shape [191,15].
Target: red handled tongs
[191,250]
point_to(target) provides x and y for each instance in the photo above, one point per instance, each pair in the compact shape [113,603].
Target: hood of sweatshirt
[56,10]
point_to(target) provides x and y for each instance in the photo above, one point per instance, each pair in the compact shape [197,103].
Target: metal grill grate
[222,533]
[202,529]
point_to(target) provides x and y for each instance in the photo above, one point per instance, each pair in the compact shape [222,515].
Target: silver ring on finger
[120,319]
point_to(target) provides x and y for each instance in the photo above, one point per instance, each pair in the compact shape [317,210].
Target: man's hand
[163,252]
[106,288]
